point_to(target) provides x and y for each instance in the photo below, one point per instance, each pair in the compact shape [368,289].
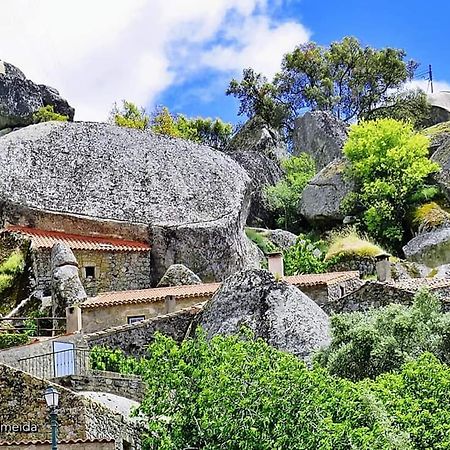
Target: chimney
[383,267]
[169,304]
[276,266]
[74,319]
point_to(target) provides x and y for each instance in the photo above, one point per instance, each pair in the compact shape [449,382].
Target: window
[342,289]
[89,271]
[126,445]
[135,319]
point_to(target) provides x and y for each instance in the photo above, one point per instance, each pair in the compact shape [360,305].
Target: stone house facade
[106,264]
[112,309]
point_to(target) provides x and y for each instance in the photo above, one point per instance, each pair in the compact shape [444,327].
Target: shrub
[305,257]
[10,268]
[8,340]
[429,216]
[389,163]
[284,197]
[350,243]
[382,340]
[46,114]
[129,115]
[260,240]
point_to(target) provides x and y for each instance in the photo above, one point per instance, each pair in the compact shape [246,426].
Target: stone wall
[22,404]
[133,339]
[372,294]
[365,266]
[114,383]
[115,271]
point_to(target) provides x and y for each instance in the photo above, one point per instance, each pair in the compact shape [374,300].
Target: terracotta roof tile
[46,239]
[202,291]
[43,441]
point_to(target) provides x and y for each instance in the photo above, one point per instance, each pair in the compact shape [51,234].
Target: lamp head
[51,397]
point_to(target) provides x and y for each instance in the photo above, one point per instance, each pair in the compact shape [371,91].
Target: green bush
[47,113]
[260,240]
[239,393]
[305,257]
[10,268]
[8,340]
[284,197]
[382,340]
[389,163]
[129,116]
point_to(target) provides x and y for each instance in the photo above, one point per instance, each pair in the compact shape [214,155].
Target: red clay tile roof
[151,295]
[43,442]
[202,291]
[46,239]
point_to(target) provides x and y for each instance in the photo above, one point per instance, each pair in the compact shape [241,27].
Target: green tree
[284,197]
[47,113]
[346,79]
[129,115]
[214,133]
[382,340]
[389,163]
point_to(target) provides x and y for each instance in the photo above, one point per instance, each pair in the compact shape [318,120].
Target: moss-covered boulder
[430,216]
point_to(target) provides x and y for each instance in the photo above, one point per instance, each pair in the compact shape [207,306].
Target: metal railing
[34,326]
[58,364]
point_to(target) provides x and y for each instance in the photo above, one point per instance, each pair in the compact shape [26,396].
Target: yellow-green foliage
[349,243]
[10,268]
[129,116]
[437,129]
[47,113]
[429,216]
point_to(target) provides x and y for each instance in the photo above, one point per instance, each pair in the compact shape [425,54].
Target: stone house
[112,309]
[106,263]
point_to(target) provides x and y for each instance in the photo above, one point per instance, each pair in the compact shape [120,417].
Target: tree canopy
[347,79]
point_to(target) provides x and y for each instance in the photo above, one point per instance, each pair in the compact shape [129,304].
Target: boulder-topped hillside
[194,199]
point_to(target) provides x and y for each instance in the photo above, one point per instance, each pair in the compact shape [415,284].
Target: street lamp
[52,398]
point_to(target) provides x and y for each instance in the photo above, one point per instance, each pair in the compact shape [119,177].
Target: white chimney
[276,265]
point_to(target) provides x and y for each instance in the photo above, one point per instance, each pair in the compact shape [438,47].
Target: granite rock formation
[67,289]
[321,199]
[20,98]
[193,200]
[274,310]
[178,275]
[320,135]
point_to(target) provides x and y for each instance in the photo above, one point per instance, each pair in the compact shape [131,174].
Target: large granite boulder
[259,149]
[178,275]
[321,135]
[440,107]
[431,249]
[193,199]
[321,199]
[441,155]
[263,171]
[256,136]
[67,289]
[20,98]
[274,310]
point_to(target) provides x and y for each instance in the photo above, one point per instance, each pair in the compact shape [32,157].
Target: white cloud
[97,52]
[438,86]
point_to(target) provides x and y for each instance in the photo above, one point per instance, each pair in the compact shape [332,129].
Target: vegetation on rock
[390,165]
[382,340]
[347,79]
[260,240]
[429,216]
[12,339]
[10,269]
[47,113]
[349,243]
[283,198]
[207,131]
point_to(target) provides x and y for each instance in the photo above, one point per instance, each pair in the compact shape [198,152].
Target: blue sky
[182,53]
[421,30]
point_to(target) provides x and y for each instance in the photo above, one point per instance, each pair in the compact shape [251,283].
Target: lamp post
[52,398]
